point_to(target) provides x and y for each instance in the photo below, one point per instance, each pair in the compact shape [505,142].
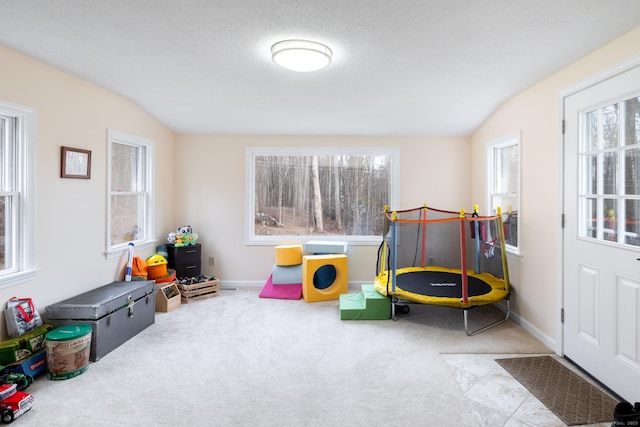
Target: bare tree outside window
[17,195]
[504,187]
[321,195]
[130,190]
[610,168]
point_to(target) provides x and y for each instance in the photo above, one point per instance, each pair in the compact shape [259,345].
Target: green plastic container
[68,349]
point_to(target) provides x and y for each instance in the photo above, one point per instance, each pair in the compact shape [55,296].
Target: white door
[601,235]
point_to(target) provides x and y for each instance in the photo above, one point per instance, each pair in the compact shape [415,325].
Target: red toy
[13,403]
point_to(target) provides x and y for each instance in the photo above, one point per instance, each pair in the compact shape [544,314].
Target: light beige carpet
[241,360]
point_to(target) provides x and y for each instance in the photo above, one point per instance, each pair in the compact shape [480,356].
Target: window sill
[120,250]
[281,240]
[517,256]
[17,278]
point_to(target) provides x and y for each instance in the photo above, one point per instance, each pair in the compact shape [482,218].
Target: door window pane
[590,218]
[610,219]
[632,224]
[589,140]
[610,173]
[632,121]
[590,174]
[610,126]
[632,172]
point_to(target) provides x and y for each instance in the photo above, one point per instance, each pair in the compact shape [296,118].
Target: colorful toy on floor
[270,290]
[13,403]
[156,267]
[369,304]
[446,258]
[324,277]
[138,269]
[285,281]
[9,376]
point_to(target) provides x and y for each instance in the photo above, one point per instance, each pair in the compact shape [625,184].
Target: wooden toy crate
[168,297]
[198,291]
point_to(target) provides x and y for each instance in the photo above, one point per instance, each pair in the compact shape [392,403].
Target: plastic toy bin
[68,349]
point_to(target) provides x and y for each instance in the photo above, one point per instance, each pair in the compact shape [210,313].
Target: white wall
[535,114]
[71,213]
[211,196]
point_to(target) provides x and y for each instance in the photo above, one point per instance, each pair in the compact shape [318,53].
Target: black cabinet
[186,260]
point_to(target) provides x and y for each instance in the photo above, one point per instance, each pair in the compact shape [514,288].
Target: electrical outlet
[212,261]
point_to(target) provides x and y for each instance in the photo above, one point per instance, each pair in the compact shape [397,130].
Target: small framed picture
[75,163]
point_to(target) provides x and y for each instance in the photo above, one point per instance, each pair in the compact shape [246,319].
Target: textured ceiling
[402,67]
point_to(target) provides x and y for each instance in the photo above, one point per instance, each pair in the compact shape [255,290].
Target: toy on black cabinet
[183,236]
[171,238]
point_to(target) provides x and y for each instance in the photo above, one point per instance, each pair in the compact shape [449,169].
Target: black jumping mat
[440,284]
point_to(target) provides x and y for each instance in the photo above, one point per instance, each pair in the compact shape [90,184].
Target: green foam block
[369,304]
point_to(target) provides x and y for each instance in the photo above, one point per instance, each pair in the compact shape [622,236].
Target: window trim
[113,251]
[506,141]
[25,245]
[249,221]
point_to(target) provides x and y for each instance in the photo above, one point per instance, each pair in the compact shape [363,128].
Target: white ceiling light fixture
[301,55]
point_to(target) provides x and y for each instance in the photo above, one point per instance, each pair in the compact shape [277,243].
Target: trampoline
[439,257]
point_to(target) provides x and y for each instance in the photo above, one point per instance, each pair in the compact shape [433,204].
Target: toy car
[13,403]
[8,376]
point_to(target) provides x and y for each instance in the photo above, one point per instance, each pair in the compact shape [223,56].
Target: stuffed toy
[171,238]
[185,236]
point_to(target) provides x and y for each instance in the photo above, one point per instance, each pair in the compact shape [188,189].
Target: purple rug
[281,291]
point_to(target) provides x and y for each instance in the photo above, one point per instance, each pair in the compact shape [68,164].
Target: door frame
[595,79]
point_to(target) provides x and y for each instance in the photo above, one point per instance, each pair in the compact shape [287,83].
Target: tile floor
[497,398]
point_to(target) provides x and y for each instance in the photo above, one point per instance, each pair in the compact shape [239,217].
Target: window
[17,202]
[337,193]
[130,193]
[610,172]
[504,187]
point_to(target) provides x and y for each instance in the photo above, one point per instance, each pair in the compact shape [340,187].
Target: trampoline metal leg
[477,331]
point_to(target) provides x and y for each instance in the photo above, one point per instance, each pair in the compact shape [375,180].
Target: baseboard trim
[537,333]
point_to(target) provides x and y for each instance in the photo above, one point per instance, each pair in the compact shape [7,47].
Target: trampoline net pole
[463,259]
[424,235]
[394,250]
[476,226]
[505,268]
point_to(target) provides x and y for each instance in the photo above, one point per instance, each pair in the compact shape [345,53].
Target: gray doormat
[573,399]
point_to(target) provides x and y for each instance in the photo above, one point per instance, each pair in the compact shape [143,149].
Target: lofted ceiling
[403,67]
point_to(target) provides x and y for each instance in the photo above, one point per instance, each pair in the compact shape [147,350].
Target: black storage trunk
[116,312]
